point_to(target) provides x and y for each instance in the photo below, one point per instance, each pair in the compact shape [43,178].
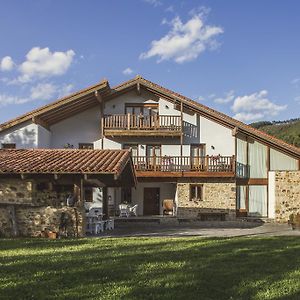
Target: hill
[288,130]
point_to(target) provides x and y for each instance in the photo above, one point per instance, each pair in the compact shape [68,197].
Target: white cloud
[228,98]
[295,81]
[297,99]
[65,90]
[41,62]
[185,41]
[6,64]
[43,91]
[155,3]
[255,107]
[127,71]
[7,99]
[46,91]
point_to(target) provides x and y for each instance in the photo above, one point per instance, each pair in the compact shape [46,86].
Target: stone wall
[218,197]
[35,210]
[15,191]
[287,194]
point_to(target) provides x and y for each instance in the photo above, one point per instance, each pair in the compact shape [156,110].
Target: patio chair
[110,224]
[124,211]
[133,210]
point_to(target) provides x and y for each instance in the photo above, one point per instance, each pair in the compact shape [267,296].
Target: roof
[211,114]
[64,161]
[86,98]
[63,107]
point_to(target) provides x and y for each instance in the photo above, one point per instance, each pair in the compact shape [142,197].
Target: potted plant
[294,221]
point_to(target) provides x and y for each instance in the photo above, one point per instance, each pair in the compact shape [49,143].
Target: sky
[239,57]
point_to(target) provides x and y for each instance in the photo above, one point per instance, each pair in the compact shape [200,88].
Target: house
[189,160]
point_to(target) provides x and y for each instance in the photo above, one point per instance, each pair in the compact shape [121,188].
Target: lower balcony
[184,166]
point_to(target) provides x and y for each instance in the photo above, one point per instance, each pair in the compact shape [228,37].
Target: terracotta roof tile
[63,161]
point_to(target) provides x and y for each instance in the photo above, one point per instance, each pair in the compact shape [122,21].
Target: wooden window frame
[85,146]
[203,146]
[153,145]
[141,106]
[8,146]
[197,198]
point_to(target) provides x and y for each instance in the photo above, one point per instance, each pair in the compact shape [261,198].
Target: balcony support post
[181,135]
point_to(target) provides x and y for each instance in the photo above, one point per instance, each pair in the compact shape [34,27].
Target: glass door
[198,156]
[153,156]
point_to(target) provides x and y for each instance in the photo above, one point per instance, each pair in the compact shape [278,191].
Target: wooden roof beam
[38,121]
[98,97]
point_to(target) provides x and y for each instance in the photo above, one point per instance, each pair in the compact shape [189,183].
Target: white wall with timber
[24,135]
[81,128]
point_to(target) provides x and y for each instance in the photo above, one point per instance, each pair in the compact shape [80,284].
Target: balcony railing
[142,122]
[184,163]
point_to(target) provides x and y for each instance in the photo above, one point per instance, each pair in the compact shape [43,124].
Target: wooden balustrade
[142,122]
[184,163]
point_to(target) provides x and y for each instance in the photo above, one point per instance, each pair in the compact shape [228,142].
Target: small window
[8,146]
[86,146]
[196,192]
[42,186]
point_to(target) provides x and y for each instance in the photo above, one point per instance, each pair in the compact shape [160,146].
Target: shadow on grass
[151,268]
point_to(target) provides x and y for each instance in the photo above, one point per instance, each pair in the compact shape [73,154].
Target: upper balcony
[142,125]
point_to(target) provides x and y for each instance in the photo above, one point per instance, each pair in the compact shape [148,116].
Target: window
[147,109]
[86,146]
[196,192]
[8,146]
[88,194]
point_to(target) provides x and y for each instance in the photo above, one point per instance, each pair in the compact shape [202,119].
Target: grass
[150,268]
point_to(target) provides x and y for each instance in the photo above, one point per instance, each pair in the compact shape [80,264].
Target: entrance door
[151,201]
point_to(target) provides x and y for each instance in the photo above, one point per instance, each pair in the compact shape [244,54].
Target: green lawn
[150,268]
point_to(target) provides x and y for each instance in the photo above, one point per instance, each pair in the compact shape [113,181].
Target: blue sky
[239,57]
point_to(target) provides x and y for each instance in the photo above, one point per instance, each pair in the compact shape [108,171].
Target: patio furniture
[133,210]
[124,210]
[94,222]
[110,224]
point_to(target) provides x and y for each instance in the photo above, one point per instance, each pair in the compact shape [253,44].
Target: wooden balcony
[185,166]
[141,125]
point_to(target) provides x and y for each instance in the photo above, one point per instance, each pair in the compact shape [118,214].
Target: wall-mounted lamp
[167,107]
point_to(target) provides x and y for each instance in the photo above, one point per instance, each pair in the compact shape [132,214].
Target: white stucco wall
[24,135]
[116,106]
[81,128]
[218,136]
[271,195]
[44,137]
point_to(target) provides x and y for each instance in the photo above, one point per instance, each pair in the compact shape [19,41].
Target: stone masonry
[287,194]
[218,197]
[35,210]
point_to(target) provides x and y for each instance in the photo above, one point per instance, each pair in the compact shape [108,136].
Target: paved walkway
[201,230]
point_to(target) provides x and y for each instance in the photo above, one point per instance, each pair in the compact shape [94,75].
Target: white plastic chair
[124,211]
[110,224]
[133,210]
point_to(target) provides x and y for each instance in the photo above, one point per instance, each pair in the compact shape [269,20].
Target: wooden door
[151,201]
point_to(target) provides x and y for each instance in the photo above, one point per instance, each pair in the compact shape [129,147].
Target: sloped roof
[210,114]
[63,107]
[64,161]
[51,113]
